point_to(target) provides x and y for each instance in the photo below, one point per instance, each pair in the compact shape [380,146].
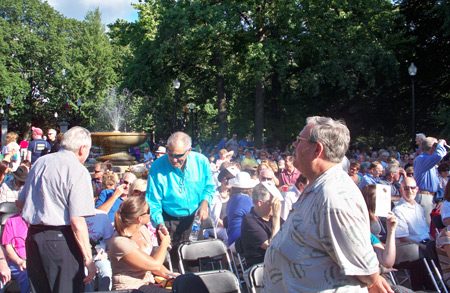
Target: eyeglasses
[262,178]
[97,171]
[146,213]
[299,138]
[177,156]
[126,182]
[409,187]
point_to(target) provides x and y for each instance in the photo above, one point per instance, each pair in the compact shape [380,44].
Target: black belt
[51,228]
[168,217]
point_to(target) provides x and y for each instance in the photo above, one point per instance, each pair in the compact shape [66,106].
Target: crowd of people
[308,213]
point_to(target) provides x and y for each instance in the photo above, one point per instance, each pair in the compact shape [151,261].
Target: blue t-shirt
[103,197]
[238,206]
[374,240]
[38,147]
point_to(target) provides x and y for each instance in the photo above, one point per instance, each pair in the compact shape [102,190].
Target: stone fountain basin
[115,144]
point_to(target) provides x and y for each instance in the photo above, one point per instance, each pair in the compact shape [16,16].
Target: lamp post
[412,70]
[8,103]
[191,108]
[176,86]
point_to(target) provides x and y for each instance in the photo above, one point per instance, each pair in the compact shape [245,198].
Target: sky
[109,9]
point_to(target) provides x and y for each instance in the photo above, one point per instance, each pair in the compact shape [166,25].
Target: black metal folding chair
[254,277]
[208,250]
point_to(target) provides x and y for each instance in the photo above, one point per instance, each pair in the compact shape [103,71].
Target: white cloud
[110,9]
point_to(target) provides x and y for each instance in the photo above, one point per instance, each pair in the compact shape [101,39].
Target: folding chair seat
[203,251]
[221,281]
[254,277]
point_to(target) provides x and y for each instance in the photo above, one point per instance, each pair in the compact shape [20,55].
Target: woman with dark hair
[369,194]
[131,248]
[385,253]
[239,205]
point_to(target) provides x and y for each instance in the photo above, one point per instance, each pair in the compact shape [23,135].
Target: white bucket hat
[161,150]
[243,180]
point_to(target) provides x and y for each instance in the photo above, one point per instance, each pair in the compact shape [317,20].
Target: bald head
[409,189]
[266,174]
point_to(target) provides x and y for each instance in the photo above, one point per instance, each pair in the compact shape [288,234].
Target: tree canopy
[246,67]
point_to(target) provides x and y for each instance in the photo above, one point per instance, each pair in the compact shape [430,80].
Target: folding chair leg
[431,275]
[391,276]
[438,274]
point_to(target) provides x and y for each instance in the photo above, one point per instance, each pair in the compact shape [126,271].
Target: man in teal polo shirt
[180,186]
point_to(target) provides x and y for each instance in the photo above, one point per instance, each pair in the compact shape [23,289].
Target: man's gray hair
[180,138]
[51,130]
[260,192]
[75,138]
[391,168]
[428,143]
[333,134]
[420,136]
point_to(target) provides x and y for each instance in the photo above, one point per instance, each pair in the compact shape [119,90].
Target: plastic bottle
[195,229]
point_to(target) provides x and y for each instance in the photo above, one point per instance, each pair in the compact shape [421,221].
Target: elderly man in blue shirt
[426,174]
[180,186]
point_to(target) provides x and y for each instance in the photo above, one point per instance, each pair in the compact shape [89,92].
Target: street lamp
[176,86]
[412,70]
[8,103]
[191,108]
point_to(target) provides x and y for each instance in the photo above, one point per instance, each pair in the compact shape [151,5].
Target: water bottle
[195,229]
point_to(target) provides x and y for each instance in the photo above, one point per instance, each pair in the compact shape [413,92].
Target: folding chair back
[254,277]
[221,281]
[208,223]
[202,249]
[7,210]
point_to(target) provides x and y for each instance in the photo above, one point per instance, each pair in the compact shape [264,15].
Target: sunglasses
[409,187]
[126,182]
[265,179]
[146,213]
[97,171]
[177,156]
[139,192]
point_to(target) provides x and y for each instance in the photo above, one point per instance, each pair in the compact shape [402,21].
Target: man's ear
[319,150]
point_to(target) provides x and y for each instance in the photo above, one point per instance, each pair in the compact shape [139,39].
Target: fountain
[115,145]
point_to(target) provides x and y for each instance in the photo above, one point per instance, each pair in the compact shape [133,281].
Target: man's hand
[380,286]
[5,272]
[92,270]
[276,207]
[202,212]
[163,229]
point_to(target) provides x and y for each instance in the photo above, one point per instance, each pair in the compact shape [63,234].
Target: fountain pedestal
[115,146]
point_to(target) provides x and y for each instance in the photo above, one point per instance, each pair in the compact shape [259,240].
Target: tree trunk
[259,114]
[221,99]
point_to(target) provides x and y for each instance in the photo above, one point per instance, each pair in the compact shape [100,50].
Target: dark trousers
[54,260]
[179,230]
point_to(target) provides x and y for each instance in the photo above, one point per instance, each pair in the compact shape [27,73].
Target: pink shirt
[23,144]
[15,233]
[287,178]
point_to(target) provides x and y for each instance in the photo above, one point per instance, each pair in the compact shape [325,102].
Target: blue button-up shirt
[178,192]
[425,171]
[368,179]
